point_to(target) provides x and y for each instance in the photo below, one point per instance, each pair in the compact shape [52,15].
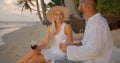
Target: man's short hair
[92,2]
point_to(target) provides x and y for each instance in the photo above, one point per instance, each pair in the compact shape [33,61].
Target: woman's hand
[63,47]
[38,48]
[36,52]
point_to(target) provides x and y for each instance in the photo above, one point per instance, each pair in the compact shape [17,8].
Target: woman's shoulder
[67,28]
[67,25]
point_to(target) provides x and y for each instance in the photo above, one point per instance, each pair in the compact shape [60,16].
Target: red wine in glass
[33,45]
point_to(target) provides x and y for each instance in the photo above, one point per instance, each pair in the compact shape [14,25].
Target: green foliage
[55,2]
[109,7]
[106,7]
[50,4]
[111,11]
[76,2]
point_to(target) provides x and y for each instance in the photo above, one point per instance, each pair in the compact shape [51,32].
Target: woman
[56,33]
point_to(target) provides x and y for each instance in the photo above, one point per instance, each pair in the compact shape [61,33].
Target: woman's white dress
[54,52]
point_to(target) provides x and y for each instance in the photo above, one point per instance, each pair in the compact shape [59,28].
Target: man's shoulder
[100,17]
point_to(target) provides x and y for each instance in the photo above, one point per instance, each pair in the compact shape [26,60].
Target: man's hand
[63,47]
[78,44]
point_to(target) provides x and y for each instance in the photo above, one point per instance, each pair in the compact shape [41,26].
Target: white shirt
[59,37]
[97,43]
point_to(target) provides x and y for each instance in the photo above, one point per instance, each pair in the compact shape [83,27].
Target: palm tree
[43,7]
[38,10]
[28,4]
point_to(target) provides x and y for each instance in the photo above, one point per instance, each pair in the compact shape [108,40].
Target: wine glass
[33,44]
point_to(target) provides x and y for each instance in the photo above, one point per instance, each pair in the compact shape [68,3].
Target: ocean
[8,26]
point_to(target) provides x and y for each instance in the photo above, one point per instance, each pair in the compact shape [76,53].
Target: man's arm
[93,47]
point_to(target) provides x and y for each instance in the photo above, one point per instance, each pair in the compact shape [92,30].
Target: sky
[9,11]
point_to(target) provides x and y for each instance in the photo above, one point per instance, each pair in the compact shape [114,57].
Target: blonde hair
[52,33]
[53,28]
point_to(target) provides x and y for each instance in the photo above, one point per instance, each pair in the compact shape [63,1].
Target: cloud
[11,6]
[11,12]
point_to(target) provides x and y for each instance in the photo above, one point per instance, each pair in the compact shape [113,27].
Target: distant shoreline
[18,21]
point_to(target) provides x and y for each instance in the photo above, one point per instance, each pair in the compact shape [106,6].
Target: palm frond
[50,4]
[26,4]
[30,10]
[31,3]
[20,2]
[31,0]
[22,9]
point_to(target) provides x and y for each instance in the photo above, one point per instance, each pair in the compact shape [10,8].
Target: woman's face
[58,16]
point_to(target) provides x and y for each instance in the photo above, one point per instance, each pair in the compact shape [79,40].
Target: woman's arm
[46,41]
[69,32]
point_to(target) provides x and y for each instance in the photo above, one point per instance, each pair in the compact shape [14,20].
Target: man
[97,43]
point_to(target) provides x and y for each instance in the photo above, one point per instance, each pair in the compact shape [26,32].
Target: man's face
[80,8]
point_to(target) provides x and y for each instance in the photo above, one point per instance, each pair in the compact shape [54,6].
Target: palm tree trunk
[43,8]
[38,10]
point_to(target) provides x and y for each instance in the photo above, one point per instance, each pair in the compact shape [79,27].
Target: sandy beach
[17,42]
